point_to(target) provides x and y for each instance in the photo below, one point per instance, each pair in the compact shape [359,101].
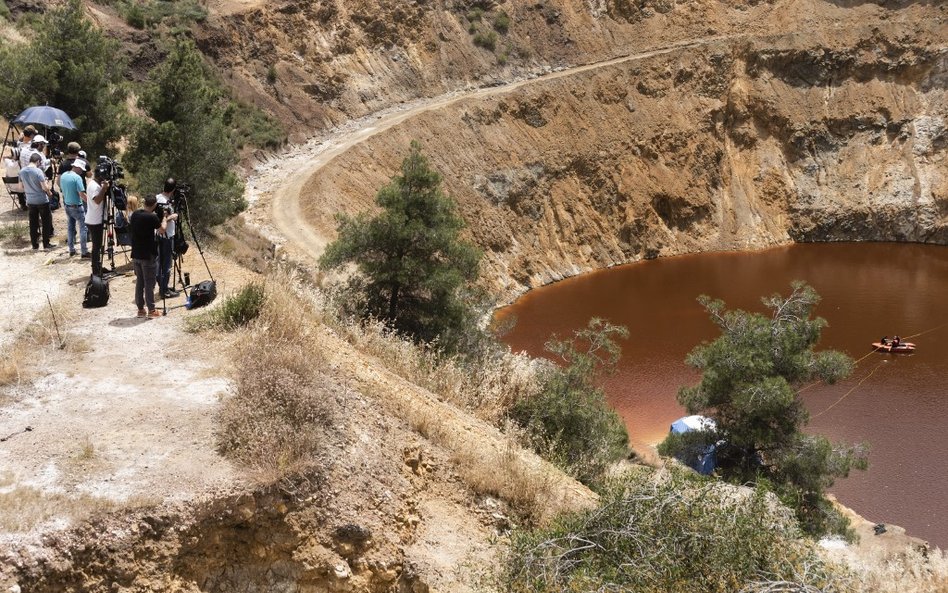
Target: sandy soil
[123,414]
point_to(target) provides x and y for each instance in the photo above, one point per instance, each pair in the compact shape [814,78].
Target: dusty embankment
[112,476]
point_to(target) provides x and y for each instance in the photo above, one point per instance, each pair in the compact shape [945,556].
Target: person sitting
[885,340]
[896,341]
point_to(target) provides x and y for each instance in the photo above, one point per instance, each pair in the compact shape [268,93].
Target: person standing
[166,241]
[74,198]
[142,226]
[37,191]
[25,146]
[95,217]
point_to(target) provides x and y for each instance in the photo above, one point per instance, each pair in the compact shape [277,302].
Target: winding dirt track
[307,160]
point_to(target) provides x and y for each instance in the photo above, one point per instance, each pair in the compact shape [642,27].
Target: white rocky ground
[123,414]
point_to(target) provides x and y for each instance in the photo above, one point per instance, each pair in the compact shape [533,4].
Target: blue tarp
[704,459]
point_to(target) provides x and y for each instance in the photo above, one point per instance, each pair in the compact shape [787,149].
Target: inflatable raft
[902,348]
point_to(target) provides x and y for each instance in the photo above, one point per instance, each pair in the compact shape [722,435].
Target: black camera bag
[97,293]
[203,294]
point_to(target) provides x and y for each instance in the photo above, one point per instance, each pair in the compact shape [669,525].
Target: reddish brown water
[900,407]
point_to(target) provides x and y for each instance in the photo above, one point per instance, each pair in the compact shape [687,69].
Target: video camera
[179,199]
[109,169]
[54,138]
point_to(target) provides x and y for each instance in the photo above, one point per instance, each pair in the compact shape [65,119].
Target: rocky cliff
[834,129]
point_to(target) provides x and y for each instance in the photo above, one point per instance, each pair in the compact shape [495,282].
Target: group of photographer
[84,191]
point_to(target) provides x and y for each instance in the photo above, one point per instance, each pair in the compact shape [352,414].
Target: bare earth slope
[831,130]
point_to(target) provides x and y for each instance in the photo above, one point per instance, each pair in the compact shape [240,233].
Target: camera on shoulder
[109,169]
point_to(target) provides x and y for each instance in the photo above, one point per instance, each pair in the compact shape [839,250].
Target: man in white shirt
[166,241]
[96,190]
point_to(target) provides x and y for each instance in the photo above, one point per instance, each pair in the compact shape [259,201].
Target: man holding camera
[74,198]
[142,226]
[97,189]
[166,241]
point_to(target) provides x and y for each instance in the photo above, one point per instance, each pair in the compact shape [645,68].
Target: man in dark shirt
[142,226]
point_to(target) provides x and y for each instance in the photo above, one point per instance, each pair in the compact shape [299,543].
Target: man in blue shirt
[37,192]
[74,197]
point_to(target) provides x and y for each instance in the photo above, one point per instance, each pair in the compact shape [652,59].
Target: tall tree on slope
[184,136]
[414,270]
[749,386]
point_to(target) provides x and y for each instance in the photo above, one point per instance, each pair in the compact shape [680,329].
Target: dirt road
[288,173]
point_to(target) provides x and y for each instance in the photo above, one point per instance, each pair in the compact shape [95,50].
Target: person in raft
[896,341]
[884,341]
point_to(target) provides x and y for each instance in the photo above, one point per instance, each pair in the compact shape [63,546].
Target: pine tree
[414,270]
[68,63]
[185,137]
[751,376]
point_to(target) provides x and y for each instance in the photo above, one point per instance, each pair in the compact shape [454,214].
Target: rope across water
[869,374]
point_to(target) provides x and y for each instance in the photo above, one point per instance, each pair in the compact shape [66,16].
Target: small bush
[4,10]
[569,421]
[235,311]
[282,404]
[486,40]
[475,15]
[670,532]
[16,234]
[251,125]
[502,22]
[271,74]
[135,16]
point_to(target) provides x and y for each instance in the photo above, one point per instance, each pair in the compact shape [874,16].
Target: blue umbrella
[45,115]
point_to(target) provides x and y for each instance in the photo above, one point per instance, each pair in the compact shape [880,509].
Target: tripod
[107,247]
[177,257]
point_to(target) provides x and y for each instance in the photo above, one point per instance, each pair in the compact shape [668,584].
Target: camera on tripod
[179,199]
[54,138]
[109,169]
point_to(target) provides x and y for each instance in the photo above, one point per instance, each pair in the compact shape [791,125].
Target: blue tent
[703,460]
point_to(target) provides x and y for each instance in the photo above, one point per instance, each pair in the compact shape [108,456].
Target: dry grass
[23,508]
[503,471]
[15,235]
[914,569]
[489,390]
[46,332]
[275,421]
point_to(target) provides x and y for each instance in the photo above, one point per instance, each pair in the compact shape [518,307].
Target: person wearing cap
[37,191]
[72,153]
[74,198]
[36,143]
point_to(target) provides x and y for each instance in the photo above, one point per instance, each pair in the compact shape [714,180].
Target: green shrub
[750,385]
[135,16]
[4,10]
[14,234]
[669,531]
[251,125]
[486,40]
[502,22]
[235,311]
[568,421]
[271,74]
[475,15]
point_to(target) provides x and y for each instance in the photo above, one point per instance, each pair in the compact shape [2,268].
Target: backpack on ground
[97,293]
[203,294]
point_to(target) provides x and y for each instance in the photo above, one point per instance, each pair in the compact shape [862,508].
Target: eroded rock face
[836,133]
